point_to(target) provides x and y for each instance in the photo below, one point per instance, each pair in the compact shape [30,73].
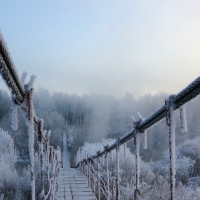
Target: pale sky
[104,46]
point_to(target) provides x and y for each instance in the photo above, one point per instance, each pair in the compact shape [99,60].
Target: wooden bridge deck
[72,185]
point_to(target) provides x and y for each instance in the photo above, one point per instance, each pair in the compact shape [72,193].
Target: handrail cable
[22,95]
[187,94]
[10,75]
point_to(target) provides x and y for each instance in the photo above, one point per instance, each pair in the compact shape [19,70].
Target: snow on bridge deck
[72,184]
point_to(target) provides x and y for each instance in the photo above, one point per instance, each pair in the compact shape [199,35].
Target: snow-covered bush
[183,166]
[160,189]
[92,148]
[12,186]
[8,156]
[187,160]
[191,150]
[154,176]
[127,167]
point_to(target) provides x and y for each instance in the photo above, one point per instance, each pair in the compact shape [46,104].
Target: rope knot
[169,104]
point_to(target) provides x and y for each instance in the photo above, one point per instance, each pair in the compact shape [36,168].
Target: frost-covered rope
[10,73]
[187,94]
[170,119]
[183,119]
[21,94]
[137,154]
[117,170]
[102,185]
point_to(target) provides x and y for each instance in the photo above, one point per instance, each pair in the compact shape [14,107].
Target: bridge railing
[140,126]
[21,94]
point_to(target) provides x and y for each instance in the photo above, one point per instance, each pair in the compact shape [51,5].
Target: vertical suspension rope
[108,183]
[137,164]
[31,140]
[93,181]
[117,171]
[87,163]
[98,179]
[124,145]
[88,171]
[170,119]
[42,169]
[107,172]
[108,178]
[184,128]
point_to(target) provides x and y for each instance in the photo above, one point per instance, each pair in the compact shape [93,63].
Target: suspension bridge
[71,183]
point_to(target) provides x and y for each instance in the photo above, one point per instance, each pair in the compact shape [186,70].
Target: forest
[89,118]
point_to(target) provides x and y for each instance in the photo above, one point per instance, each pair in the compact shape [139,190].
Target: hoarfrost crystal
[183,119]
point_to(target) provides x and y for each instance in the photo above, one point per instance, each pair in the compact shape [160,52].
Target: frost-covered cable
[11,70]
[31,82]
[108,177]
[98,178]
[41,146]
[117,170]
[111,155]
[145,140]
[124,145]
[9,81]
[137,162]
[103,189]
[183,119]
[141,119]
[190,92]
[170,120]
[23,78]
[48,153]
[31,141]
[137,154]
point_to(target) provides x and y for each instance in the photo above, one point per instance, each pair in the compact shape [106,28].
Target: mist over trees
[89,118]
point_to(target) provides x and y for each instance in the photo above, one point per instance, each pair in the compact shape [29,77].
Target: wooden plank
[72,185]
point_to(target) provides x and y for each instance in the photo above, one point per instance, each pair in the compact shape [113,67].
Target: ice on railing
[140,117]
[137,159]
[145,132]
[183,119]
[145,140]
[173,147]
[31,155]
[31,139]
[8,60]
[133,118]
[111,155]
[103,159]
[22,97]
[23,78]
[124,145]
[170,119]
[32,80]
